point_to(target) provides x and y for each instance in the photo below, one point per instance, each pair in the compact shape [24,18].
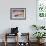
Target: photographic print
[18,13]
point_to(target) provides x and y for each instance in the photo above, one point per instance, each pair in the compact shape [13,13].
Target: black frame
[24,18]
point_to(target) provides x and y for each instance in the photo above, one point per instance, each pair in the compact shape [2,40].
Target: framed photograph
[17,13]
[41,9]
[41,12]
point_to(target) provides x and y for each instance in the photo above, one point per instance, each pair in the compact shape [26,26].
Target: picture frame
[41,8]
[40,12]
[17,13]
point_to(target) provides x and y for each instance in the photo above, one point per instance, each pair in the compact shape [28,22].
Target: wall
[24,25]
